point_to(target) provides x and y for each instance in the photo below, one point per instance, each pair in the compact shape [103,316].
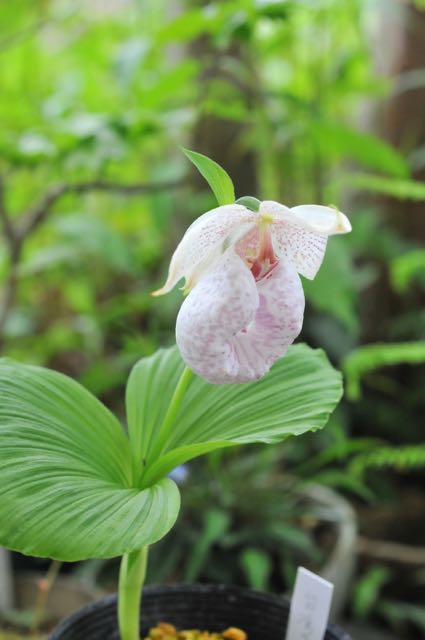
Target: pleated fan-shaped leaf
[66,484]
[296,396]
[73,486]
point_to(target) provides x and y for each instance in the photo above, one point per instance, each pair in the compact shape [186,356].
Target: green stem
[132,577]
[168,422]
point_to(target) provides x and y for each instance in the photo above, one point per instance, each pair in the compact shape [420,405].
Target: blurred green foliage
[112,89]
[275,91]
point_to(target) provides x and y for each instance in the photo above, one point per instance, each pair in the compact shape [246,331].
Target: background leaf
[338,300]
[368,590]
[296,396]
[215,525]
[407,267]
[398,458]
[368,150]
[258,566]
[365,359]
[65,473]
[399,188]
[218,179]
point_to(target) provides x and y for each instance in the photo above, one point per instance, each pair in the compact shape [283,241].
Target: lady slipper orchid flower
[246,302]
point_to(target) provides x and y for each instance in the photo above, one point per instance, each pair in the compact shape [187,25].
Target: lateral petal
[323,220]
[205,241]
[315,218]
[302,247]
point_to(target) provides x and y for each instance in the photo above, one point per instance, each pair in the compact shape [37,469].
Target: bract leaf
[218,179]
[249,202]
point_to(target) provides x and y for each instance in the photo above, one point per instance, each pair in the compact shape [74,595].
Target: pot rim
[111,600]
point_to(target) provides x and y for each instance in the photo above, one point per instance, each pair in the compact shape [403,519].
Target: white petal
[324,220]
[205,241]
[231,329]
[276,210]
[315,218]
[305,250]
[293,239]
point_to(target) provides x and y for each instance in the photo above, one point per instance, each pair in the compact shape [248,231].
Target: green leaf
[340,299]
[66,475]
[406,267]
[296,396]
[365,359]
[400,458]
[366,149]
[215,524]
[367,590]
[218,179]
[293,538]
[95,238]
[146,408]
[394,187]
[342,481]
[257,566]
[187,26]
[400,613]
[249,202]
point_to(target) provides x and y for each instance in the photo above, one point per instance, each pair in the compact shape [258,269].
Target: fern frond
[370,357]
[404,268]
[399,458]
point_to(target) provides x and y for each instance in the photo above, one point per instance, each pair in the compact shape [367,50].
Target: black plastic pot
[212,607]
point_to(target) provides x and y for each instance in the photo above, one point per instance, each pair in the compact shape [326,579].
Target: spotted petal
[303,249]
[300,234]
[204,243]
[231,329]
[327,221]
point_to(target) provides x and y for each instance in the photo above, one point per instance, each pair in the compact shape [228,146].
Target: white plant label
[310,606]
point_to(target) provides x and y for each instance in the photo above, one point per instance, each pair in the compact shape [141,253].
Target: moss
[165,631]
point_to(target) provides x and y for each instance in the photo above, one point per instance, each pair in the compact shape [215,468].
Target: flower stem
[132,577]
[168,422]
[44,587]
